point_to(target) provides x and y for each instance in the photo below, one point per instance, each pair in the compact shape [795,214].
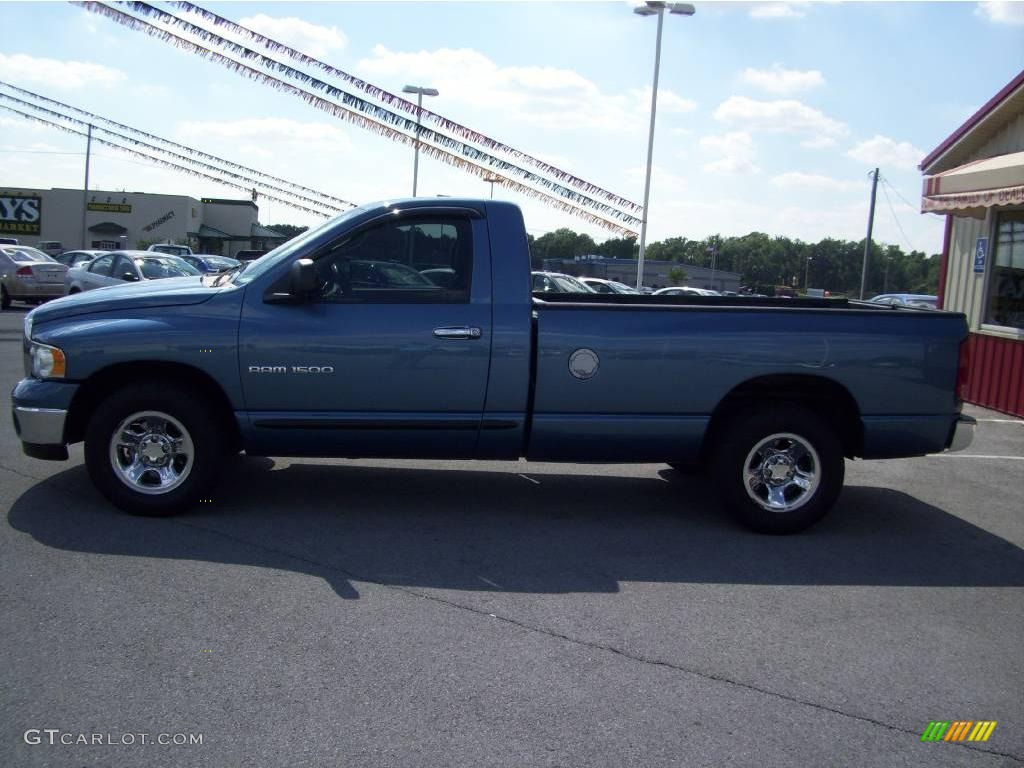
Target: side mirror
[302,279]
[130,277]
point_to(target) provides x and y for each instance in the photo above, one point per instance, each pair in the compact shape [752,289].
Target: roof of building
[978,128]
[258,230]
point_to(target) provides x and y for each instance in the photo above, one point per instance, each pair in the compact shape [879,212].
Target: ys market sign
[20,214]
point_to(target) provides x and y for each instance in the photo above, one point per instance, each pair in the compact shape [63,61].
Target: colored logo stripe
[958,730]
[982,730]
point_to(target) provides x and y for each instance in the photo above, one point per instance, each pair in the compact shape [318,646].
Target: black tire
[797,432]
[5,299]
[196,418]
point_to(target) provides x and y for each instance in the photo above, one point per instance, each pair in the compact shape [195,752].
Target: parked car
[170,249]
[8,241]
[119,267]
[556,282]
[51,247]
[771,395]
[249,255]
[685,290]
[76,258]
[915,300]
[599,285]
[27,274]
[208,262]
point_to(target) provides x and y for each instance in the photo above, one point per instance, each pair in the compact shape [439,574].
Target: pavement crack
[608,648]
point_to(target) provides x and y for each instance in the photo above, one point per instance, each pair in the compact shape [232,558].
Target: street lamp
[654,8]
[420,93]
[492,179]
[713,250]
[807,268]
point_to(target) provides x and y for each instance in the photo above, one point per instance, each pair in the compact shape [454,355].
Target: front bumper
[963,433]
[40,412]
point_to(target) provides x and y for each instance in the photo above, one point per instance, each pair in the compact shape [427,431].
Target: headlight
[47,362]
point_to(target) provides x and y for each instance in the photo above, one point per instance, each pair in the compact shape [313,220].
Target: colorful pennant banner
[407,106]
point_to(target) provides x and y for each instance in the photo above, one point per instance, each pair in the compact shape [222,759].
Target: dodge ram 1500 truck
[408,329]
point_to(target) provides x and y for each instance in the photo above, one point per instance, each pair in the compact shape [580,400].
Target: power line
[896,218]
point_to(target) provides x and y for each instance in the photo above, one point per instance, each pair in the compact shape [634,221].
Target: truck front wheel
[153,448]
[780,468]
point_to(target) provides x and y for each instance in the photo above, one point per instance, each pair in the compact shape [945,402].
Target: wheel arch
[107,380]
[827,397]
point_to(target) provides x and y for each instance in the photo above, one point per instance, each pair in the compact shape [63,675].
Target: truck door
[390,356]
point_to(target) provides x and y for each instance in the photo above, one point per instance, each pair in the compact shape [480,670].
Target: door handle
[460,332]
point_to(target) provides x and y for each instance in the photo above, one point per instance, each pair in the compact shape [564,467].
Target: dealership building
[118,220]
[975,177]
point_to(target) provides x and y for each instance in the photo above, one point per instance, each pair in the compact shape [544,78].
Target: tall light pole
[420,93]
[492,179]
[807,269]
[653,8]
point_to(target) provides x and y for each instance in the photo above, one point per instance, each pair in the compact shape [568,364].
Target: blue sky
[770,114]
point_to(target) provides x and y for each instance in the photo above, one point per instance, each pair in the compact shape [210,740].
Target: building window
[1005,302]
[105,245]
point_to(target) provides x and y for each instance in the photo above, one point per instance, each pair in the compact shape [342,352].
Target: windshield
[571,284]
[621,287]
[289,249]
[25,253]
[157,267]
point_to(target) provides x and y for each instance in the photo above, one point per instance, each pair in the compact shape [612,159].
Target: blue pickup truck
[408,329]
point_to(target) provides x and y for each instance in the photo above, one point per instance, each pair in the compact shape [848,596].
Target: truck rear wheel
[780,468]
[153,448]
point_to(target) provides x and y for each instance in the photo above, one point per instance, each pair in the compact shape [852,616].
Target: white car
[122,267]
[170,249]
[600,285]
[685,290]
[28,274]
[556,282]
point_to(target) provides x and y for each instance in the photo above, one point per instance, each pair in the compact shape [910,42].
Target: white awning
[970,189]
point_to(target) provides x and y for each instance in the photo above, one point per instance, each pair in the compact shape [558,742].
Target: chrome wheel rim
[782,472]
[151,452]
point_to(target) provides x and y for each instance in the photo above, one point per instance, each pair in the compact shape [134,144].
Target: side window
[102,265]
[410,260]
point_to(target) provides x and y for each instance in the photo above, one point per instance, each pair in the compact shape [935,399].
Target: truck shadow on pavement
[498,531]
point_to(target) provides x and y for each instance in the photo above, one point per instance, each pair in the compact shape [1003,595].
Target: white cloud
[546,97]
[735,151]
[813,181]
[54,73]
[783,116]
[882,151]
[1002,12]
[260,131]
[780,10]
[782,81]
[311,39]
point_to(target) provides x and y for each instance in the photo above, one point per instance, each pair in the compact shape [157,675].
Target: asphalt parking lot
[410,613]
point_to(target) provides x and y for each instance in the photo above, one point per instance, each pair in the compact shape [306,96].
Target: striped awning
[971,188]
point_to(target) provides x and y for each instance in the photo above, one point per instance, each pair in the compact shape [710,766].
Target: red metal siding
[992,373]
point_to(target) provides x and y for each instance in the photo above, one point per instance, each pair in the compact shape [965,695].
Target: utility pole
[85,188]
[871,224]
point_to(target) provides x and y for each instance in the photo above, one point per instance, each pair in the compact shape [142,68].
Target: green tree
[288,230]
[677,275]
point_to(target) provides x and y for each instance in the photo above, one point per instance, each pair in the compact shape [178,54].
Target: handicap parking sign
[980,252]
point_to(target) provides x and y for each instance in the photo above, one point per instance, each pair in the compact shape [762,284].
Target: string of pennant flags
[376,112]
[152,159]
[405,105]
[346,110]
[178,157]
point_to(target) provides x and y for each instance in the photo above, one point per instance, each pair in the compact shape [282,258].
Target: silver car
[28,274]
[121,267]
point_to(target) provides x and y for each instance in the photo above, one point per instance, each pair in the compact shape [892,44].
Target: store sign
[154,224]
[109,207]
[21,214]
[980,254]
